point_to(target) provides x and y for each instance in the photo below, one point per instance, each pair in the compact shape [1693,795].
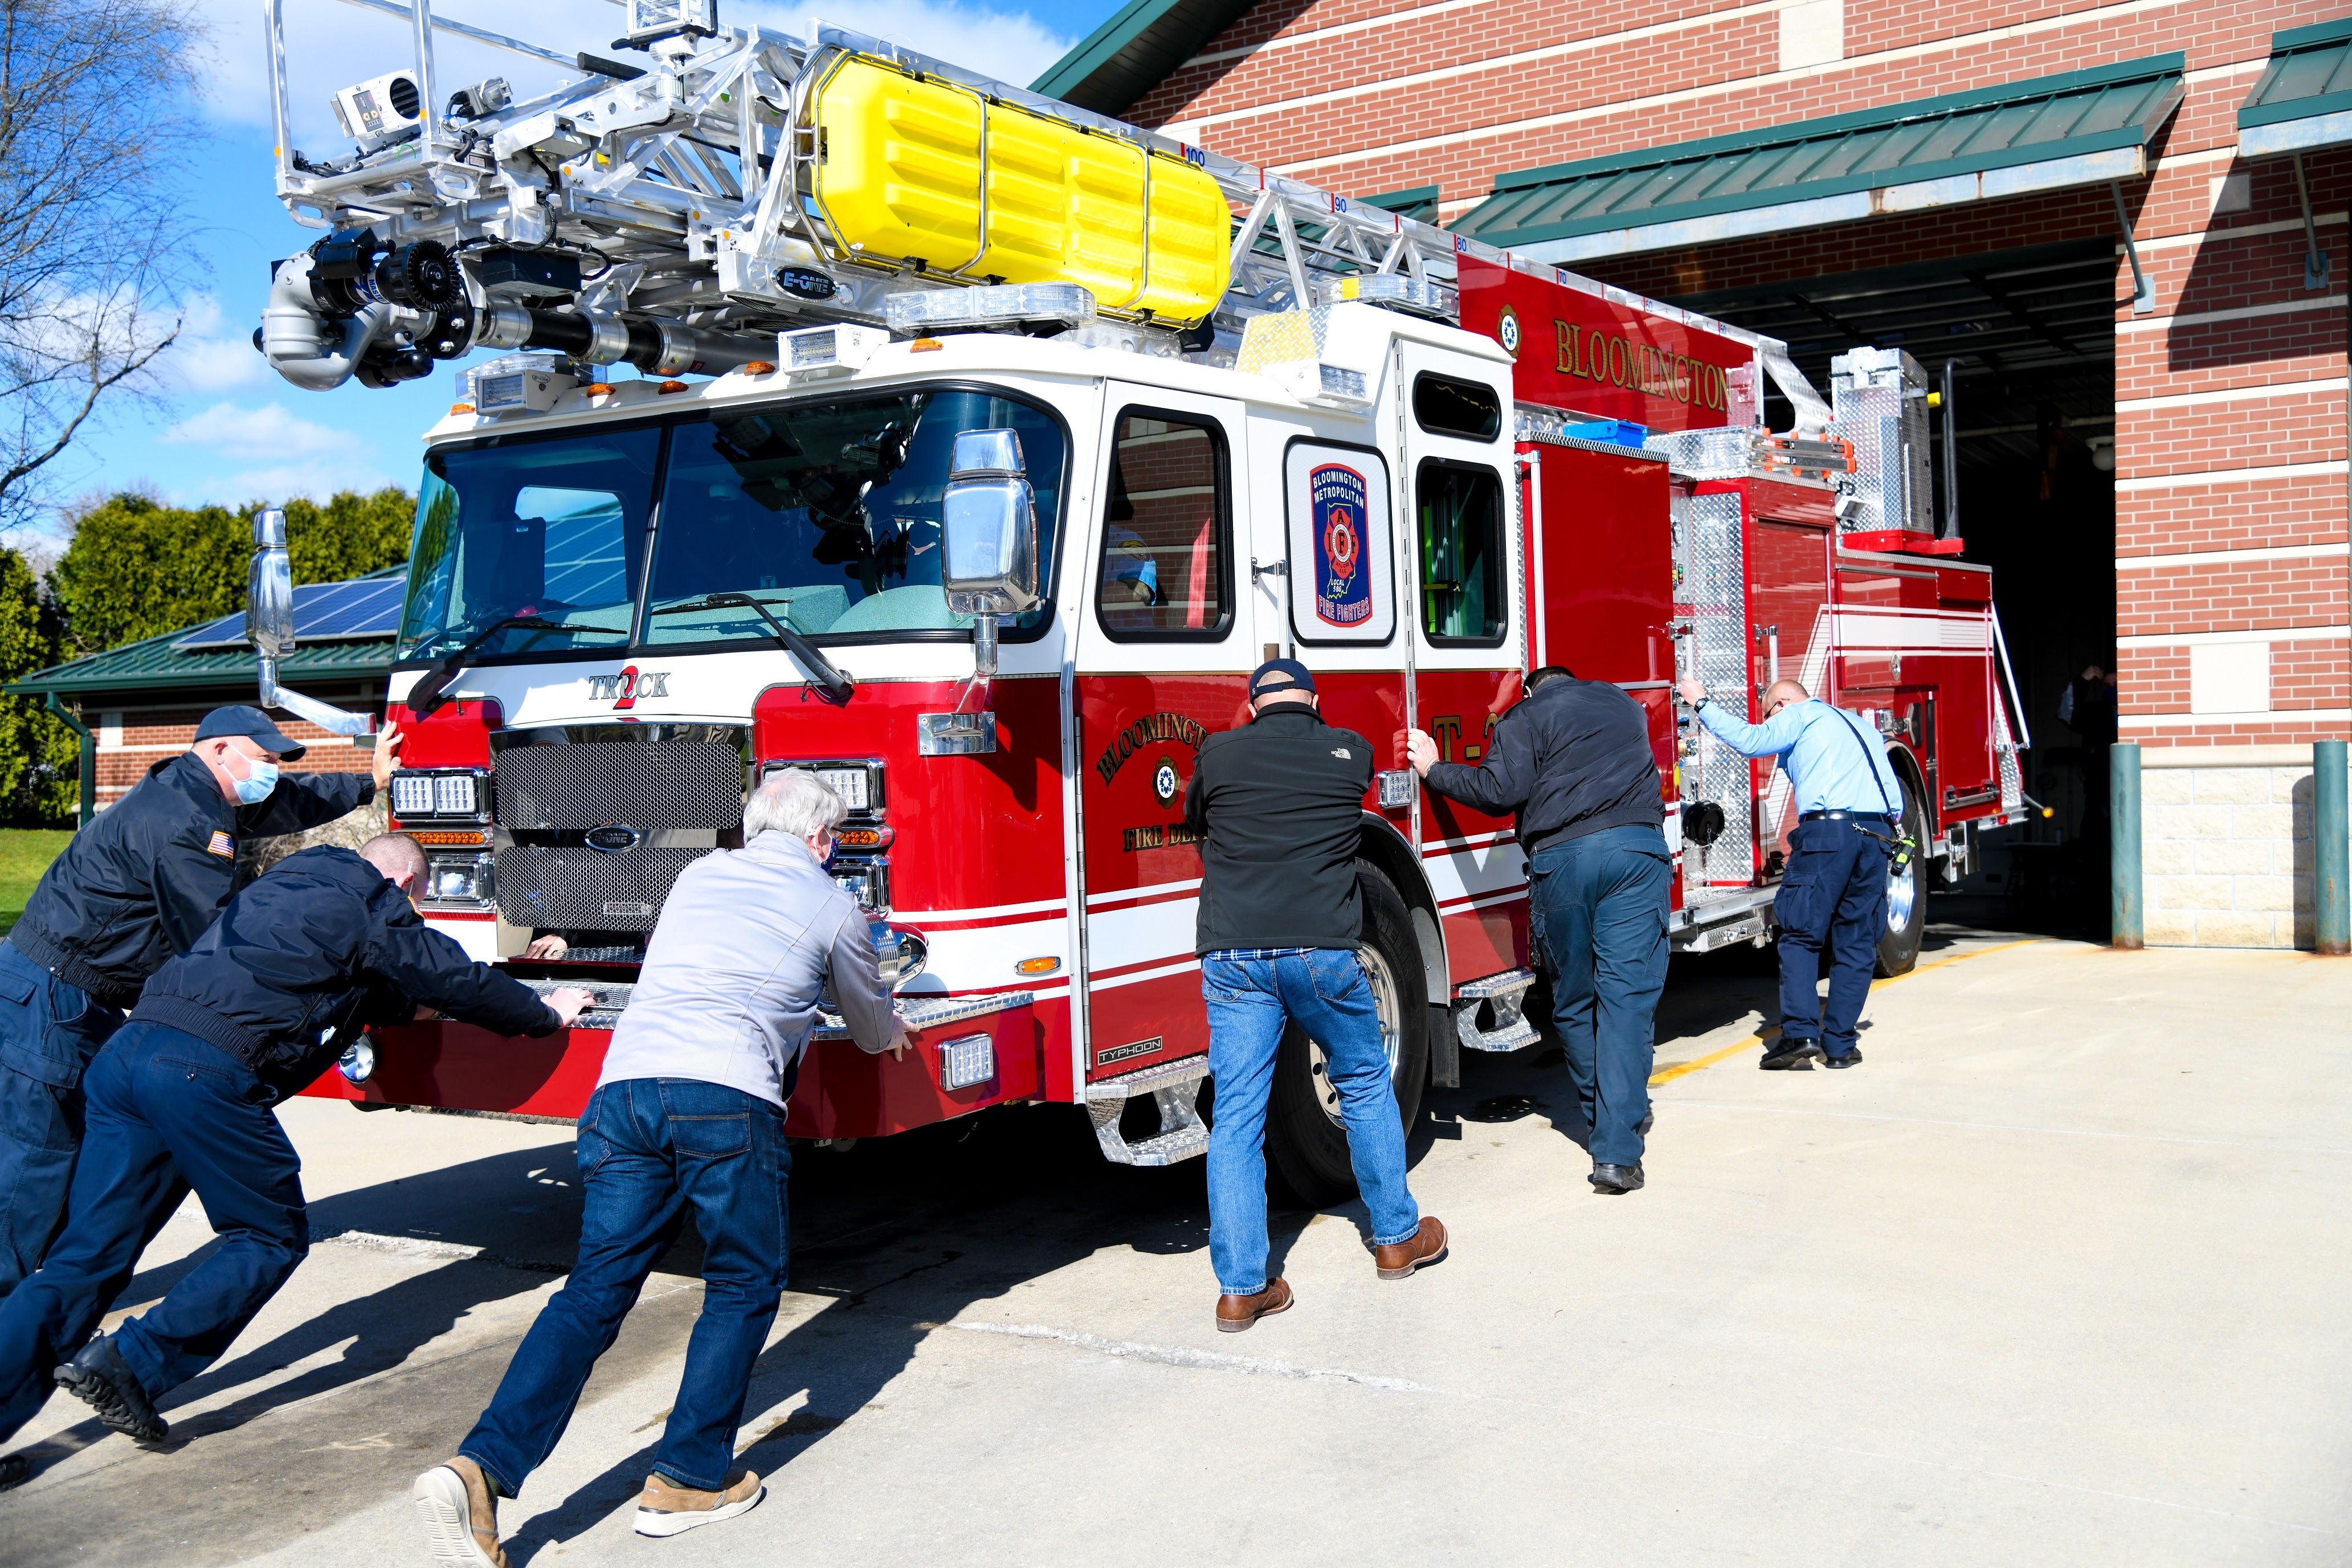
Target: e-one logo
[623,691]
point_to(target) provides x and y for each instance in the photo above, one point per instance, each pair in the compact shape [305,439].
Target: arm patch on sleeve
[222,844]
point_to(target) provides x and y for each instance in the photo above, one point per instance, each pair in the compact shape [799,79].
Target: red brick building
[2122,224]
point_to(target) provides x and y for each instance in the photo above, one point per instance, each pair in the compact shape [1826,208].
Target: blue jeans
[648,1149]
[1250,1002]
[1834,891]
[1602,903]
[50,1030]
[166,1112]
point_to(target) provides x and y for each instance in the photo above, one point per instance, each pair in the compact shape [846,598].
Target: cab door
[1461,540]
[1162,652]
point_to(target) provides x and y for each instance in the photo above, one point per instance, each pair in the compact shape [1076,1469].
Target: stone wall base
[2225,845]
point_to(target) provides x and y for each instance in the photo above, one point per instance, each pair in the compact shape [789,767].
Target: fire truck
[973,449]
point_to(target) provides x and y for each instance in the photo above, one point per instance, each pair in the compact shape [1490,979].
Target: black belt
[1845,816]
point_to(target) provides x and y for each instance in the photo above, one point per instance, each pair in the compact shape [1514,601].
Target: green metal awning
[1420,202]
[155,665]
[2304,99]
[1135,51]
[2050,133]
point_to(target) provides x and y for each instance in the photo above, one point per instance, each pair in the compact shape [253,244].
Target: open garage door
[2029,338]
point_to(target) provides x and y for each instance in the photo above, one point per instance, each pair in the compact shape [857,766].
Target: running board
[1176,1085]
[1505,995]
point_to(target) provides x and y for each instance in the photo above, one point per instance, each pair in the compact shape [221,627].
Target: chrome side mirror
[269,589]
[269,628]
[988,528]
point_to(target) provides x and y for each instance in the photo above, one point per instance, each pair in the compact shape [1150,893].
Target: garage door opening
[2029,338]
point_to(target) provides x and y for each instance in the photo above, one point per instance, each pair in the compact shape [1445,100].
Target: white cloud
[213,354]
[267,432]
[331,45]
[279,483]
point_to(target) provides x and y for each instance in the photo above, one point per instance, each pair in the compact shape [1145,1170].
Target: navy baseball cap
[254,725]
[1276,675]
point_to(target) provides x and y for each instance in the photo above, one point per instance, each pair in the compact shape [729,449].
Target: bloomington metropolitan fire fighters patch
[223,845]
[1343,588]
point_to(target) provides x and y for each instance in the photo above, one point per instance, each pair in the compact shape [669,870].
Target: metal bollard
[2331,898]
[2125,925]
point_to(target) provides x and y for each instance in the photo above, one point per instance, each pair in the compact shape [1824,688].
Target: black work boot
[102,1378]
[1788,1054]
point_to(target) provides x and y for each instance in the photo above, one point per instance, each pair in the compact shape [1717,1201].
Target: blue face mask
[260,778]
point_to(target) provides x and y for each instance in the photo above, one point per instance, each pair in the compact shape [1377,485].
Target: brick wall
[133,740]
[2230,415]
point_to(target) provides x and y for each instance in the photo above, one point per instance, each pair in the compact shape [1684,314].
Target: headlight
[459,794]
[458,880]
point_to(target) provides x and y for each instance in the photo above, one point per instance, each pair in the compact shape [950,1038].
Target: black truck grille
[562,791]
[567,888]
[579,784]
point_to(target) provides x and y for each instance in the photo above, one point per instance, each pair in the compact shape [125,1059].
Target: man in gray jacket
[689,1112]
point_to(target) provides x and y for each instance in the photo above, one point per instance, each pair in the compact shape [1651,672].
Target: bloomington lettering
[1144,731]
[1642,367]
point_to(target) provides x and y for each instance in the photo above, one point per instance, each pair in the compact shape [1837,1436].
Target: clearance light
[1037,966]
[810,353]
[758,367]
[924,345]
[864,838]
[461,408]
[600,389]
[966,1061]
[458,840]
[666,387]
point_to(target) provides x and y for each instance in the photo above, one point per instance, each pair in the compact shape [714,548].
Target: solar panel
[323,612]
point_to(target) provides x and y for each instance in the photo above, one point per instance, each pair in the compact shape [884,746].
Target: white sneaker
[665,1508]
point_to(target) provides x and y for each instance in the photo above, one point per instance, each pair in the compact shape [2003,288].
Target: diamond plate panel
[1715,586]
[579,784]
[1880,399]
[2012,781]
[573,888]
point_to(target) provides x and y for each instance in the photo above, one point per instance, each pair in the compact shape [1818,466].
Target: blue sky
[222,427]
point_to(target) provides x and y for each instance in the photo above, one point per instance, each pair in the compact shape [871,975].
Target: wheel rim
[1902,895]
[1384,1003]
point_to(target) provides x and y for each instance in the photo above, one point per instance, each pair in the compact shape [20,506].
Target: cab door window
[1461,592]
[1166,573]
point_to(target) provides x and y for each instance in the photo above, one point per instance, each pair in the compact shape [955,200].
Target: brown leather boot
[1425,1246]
[1236,1313]
[665,1508]
[459,1515]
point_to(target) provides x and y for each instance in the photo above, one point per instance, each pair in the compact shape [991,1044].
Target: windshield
[827,515]
[552,527]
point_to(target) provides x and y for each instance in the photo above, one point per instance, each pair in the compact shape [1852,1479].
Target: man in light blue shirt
[1849,815]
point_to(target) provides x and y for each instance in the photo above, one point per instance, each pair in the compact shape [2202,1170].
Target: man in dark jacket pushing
[136,886]
[1280,805]
[1573,759]
[180,1099]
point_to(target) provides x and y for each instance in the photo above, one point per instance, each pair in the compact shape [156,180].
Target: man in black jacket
[1573,759]
[180,1099]
[1280,804]
[136,886]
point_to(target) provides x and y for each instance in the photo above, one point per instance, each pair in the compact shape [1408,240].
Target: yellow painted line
[1680,1070]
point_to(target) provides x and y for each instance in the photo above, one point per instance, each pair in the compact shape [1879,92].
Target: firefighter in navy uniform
[182,1098]
[137,886]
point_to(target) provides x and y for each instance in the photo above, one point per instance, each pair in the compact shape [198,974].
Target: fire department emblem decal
[1163,781]
[1343,589]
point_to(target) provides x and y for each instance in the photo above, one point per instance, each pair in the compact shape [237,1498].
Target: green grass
[24,854]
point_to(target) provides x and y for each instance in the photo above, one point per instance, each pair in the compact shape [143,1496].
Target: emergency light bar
[1024,305]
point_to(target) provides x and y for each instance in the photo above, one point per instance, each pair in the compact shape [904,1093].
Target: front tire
[1306,1137]
[1906,893]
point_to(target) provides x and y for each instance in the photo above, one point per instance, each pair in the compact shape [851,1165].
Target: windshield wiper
[426,696]
[837,685]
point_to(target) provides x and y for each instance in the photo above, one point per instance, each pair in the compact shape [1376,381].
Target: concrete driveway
[2063,1274]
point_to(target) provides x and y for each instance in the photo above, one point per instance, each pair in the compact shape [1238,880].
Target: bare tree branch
[95,129]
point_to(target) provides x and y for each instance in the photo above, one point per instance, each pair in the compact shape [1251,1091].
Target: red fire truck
[992,545]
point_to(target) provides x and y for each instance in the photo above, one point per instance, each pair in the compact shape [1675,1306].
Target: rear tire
[1907,894]
[1305,1136]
